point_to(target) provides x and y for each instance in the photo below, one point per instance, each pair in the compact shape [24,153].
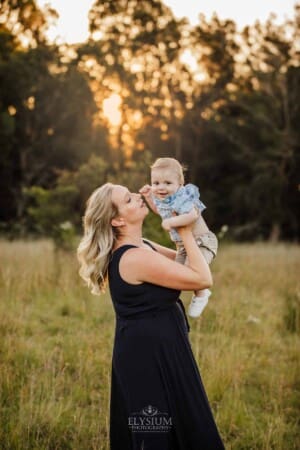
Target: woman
[157,398]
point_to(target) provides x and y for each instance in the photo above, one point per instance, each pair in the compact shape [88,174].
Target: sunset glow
[111,109]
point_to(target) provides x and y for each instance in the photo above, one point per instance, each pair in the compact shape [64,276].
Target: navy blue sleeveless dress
[157,401]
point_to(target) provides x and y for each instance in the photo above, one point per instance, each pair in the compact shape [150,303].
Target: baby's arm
[181,220]
[146,193]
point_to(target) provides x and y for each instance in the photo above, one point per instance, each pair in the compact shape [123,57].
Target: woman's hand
[146,191]
[185,229]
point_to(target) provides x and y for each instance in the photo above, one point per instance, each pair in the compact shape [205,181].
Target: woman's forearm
[166,251]
[151,204]
[196,260]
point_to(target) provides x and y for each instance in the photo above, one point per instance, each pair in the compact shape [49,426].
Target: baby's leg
[201,293]
[209,256]
[200,298]
[181,256]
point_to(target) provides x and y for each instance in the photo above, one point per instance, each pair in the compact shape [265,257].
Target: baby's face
[164,182]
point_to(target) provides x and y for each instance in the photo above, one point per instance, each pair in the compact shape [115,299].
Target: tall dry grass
[56,345]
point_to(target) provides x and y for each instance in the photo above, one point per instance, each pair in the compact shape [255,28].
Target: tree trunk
[275,233]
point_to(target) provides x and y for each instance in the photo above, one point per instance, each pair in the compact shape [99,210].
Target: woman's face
[131,207]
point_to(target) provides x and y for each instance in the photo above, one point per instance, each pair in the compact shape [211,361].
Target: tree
[138,57]
[24,19]
[274,64]
[47,111]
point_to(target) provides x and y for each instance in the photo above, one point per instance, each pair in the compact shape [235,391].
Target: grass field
[56,345]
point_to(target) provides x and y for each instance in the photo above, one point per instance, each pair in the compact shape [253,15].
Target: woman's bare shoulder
[138,265]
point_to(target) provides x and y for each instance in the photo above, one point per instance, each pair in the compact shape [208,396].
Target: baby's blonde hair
[172,164]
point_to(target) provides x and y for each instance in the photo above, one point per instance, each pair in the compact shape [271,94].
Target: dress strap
[149,244]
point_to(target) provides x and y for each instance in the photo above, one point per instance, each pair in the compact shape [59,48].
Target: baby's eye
[155,183]
[168,182]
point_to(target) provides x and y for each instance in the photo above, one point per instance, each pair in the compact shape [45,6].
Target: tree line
[231,116]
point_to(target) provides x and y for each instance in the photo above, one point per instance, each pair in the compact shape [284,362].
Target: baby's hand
[166,224]
[145,191]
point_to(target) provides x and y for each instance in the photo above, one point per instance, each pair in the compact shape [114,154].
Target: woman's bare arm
[168,252]
[137,266]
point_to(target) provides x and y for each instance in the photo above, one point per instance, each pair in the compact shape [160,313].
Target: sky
[72,26]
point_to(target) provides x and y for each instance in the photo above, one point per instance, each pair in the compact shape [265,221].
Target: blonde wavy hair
[96,245]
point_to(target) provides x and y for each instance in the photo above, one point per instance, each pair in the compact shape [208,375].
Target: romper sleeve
[187,199]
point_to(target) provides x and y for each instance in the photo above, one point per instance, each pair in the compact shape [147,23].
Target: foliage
[51,213]
[57,212]
[26,19]
[232,119]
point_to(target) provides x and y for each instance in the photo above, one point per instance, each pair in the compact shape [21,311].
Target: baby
[168,195]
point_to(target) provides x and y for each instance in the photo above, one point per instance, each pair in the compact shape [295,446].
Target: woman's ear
[118,222]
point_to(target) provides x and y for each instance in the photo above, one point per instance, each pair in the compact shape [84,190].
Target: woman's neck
[130,236]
